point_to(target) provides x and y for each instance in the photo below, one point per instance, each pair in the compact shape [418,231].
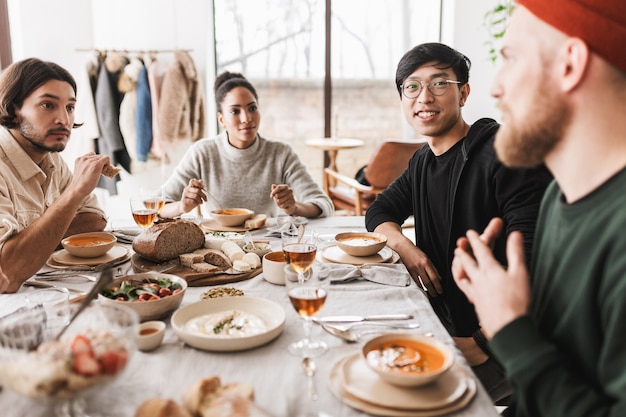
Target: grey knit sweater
[243,177]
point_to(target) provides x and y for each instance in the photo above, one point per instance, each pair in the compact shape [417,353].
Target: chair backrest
[389,161]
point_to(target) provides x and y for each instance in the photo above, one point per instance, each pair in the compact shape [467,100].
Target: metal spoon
[352,336]
[309,369]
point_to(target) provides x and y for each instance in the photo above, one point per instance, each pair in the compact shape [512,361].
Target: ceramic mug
[274,267]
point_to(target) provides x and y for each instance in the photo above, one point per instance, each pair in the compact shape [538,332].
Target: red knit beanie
[600,23]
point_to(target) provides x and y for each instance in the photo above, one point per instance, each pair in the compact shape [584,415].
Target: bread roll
[161,407]
[232,250]
[165,241]
[196,395]
[209,398]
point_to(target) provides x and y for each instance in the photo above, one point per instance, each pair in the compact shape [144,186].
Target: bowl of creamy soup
[89,245]
[406,359]
[361,243]
[229,323]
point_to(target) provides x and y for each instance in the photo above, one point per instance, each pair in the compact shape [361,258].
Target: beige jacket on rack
[181,105]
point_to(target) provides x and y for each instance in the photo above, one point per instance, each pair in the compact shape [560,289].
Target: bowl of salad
[151,295]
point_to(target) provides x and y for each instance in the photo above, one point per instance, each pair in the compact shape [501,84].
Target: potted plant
[496,21]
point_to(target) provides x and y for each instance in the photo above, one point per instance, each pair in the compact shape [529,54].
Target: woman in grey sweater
[241,168]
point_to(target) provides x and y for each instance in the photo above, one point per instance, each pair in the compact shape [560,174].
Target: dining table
[277,377]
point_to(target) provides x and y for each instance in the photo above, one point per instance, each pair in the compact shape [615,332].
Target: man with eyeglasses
[454,184]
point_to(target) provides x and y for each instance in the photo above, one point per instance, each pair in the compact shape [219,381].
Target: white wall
[464,31]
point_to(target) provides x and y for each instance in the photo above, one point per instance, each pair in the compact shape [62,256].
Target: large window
[280,45]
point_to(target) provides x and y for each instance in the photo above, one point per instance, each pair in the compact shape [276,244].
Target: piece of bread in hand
[161,407]
[110,171]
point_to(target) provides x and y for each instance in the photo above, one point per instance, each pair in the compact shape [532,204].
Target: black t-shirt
[438,177]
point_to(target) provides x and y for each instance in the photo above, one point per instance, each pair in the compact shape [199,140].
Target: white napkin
[387,274]
[280,224]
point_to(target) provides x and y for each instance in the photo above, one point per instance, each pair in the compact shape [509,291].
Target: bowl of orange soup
[231,217]
[89,245]
[361,243]
[407,360]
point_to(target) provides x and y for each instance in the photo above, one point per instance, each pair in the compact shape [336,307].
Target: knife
[356,319]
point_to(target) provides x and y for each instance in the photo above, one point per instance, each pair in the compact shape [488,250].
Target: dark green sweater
[567,357]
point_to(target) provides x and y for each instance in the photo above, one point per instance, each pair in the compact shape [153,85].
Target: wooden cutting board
[193,278]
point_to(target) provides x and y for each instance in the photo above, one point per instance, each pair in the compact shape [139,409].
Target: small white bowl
[150,335]
[260,248]
[274,267]
[89,245]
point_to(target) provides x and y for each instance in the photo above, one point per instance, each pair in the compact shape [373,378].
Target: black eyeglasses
[437,87]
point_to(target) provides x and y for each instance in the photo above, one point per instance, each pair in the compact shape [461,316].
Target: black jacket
[481,188]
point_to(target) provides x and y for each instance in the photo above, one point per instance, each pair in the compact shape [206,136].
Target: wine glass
[307,295]
[299,250]
[93,352]
[143,215]
[153,198]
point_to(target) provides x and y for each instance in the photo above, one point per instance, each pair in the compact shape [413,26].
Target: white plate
[365,384]
[335,254]
[337,387]
[271,313]
[65,258]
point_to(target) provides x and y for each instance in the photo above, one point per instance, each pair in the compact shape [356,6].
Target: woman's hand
[283,196]
[193,195]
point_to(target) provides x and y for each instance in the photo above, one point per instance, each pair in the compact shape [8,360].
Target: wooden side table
[333,146]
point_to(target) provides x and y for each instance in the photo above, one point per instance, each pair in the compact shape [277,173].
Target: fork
[66,276]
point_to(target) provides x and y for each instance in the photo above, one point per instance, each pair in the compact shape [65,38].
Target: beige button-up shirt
[28,189]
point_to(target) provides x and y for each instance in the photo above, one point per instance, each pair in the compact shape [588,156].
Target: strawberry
[81,344]
[113,361]
[85,364]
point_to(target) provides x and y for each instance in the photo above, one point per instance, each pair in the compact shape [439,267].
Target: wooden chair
[386,164]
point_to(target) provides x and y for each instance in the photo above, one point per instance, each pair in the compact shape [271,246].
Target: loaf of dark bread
[165,241]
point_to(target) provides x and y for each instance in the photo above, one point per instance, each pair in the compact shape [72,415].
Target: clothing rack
[132,51]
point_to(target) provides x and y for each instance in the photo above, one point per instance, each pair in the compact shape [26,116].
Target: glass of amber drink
[299,251]
[307,297]
[144,215]
[153,199]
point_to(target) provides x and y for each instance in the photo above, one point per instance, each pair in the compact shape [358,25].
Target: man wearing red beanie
[559,329]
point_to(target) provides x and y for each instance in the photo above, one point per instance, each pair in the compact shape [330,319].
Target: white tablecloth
[279,382]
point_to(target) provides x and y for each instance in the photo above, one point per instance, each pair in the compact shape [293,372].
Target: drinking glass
[56,306]
[153,198]
[92,353]
[299,251]
[307,295]
[143,215]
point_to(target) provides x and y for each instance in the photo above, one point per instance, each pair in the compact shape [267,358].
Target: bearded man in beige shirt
[41,201]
